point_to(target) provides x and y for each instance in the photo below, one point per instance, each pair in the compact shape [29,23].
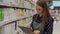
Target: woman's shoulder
[35,15]
[50,19]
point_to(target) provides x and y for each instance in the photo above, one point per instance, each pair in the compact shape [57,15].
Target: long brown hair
[46,13]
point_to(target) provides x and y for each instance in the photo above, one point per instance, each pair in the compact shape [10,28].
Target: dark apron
[38,26]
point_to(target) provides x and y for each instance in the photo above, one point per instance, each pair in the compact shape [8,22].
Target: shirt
[48,29]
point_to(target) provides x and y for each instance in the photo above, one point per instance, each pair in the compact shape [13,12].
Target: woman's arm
[31,25]
[33,18]
[49,26]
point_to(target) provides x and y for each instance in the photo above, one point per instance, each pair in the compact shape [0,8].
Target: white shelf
[26,17]
[9,6]
[12,20]
[6,22]
[31,2]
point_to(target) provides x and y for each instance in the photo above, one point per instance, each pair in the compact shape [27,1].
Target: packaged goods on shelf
[21,2]
[1,30]
[30,12]
[6,14]
[22,22]
[13,28]
[25,3]
[12,14]
[7,2]
[28,4]
[18,3]
[1,14]
[25,22]
[8,29]
[32,6]
[27,12]
[9,14]
[13,3]
[29,20]
[18,13]
[33,12]
[23,12]
[19,23]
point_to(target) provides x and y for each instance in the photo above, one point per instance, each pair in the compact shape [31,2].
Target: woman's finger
[36,32]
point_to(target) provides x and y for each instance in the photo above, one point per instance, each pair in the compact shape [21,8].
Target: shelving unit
[21,7]
[32,2]
[14,13]
[13,20]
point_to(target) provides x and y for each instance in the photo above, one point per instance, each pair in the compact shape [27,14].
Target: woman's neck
[40,15]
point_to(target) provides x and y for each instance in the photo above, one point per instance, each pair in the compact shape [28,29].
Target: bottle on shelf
[7,29]
[1,14]
[6,14]
[18,13]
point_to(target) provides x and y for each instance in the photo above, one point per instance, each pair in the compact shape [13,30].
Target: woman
[42,16]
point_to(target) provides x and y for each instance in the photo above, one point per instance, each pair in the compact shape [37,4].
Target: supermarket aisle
[56,28]
[20,15]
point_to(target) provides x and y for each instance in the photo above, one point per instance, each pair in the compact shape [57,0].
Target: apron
[38,26]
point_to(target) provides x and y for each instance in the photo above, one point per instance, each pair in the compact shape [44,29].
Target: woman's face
[39,9]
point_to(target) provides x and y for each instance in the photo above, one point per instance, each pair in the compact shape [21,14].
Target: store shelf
[18,30]
[7,22]
[12,21]
[30,2]
[25,17]
[14,13]
[21,7]
[2,6]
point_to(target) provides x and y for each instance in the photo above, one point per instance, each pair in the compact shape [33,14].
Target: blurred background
[14,13]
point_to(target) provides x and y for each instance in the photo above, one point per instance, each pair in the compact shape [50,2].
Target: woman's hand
[36,32]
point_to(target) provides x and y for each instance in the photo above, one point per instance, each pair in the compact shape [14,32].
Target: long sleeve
[33,18]
[36,19]
[49,27]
